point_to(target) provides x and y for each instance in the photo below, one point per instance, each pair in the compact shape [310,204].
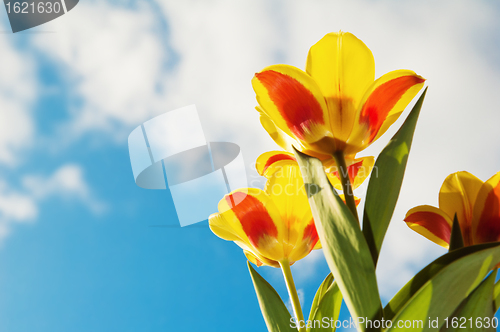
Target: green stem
[290,285]
[346,183]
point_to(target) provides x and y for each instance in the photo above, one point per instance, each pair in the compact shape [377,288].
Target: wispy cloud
[17,94]
[67,182]
[22,205]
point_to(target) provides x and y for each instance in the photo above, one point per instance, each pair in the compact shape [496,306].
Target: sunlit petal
[260,260]
[382,104]
[486,214]
[286,188]
[273,159]
[344,68]
[430,222]
[250,216]
[357,168]
[293,101]
[457,196]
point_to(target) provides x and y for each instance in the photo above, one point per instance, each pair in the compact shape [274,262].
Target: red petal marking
[296,104]
[489,224]
[352,170]
[382,100]
[259,263]
[433,222]
[253,216]
[276,158]
[311,233]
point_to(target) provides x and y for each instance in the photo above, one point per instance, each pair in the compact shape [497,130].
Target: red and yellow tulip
[336,104]
[475,203]
[274,225]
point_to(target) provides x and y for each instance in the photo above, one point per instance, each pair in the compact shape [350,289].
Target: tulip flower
[335,108]
[475,203]
[335,105]
[272,225]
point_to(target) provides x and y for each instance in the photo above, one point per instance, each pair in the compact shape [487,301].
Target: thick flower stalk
[335,108]
[475,203]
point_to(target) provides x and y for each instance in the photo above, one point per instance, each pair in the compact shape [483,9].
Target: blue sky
[80,245]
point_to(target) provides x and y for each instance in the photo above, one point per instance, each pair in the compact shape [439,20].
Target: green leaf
[437,290]
[344,245]
[385,182]
[275,313]
[320,293]
[478,305]
[496,295]
[456,239]
[329,307]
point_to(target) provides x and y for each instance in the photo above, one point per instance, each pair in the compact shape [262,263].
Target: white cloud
[306,268]
[67,182]
[17,93]
[17,130]
[22,205]
[113,59]
[16,206]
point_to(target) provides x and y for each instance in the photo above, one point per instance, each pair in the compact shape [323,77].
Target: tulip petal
[306,243]
[286,188]
[273,159]
[293,101]
[279,136]
[250,218]
[486,214]
[259,260]
[286,142]
[458,196]
[357,168]
[430,222]
[344,68]
[357,200]
[382,104]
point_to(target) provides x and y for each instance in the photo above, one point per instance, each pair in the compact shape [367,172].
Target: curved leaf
[344,245]
[385,182]
[496,295]
[320,293]
[329,307]
[275,313]
[326,303]
[437,290]
[478,305]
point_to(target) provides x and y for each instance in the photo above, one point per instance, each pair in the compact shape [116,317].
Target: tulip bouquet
[321,118]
